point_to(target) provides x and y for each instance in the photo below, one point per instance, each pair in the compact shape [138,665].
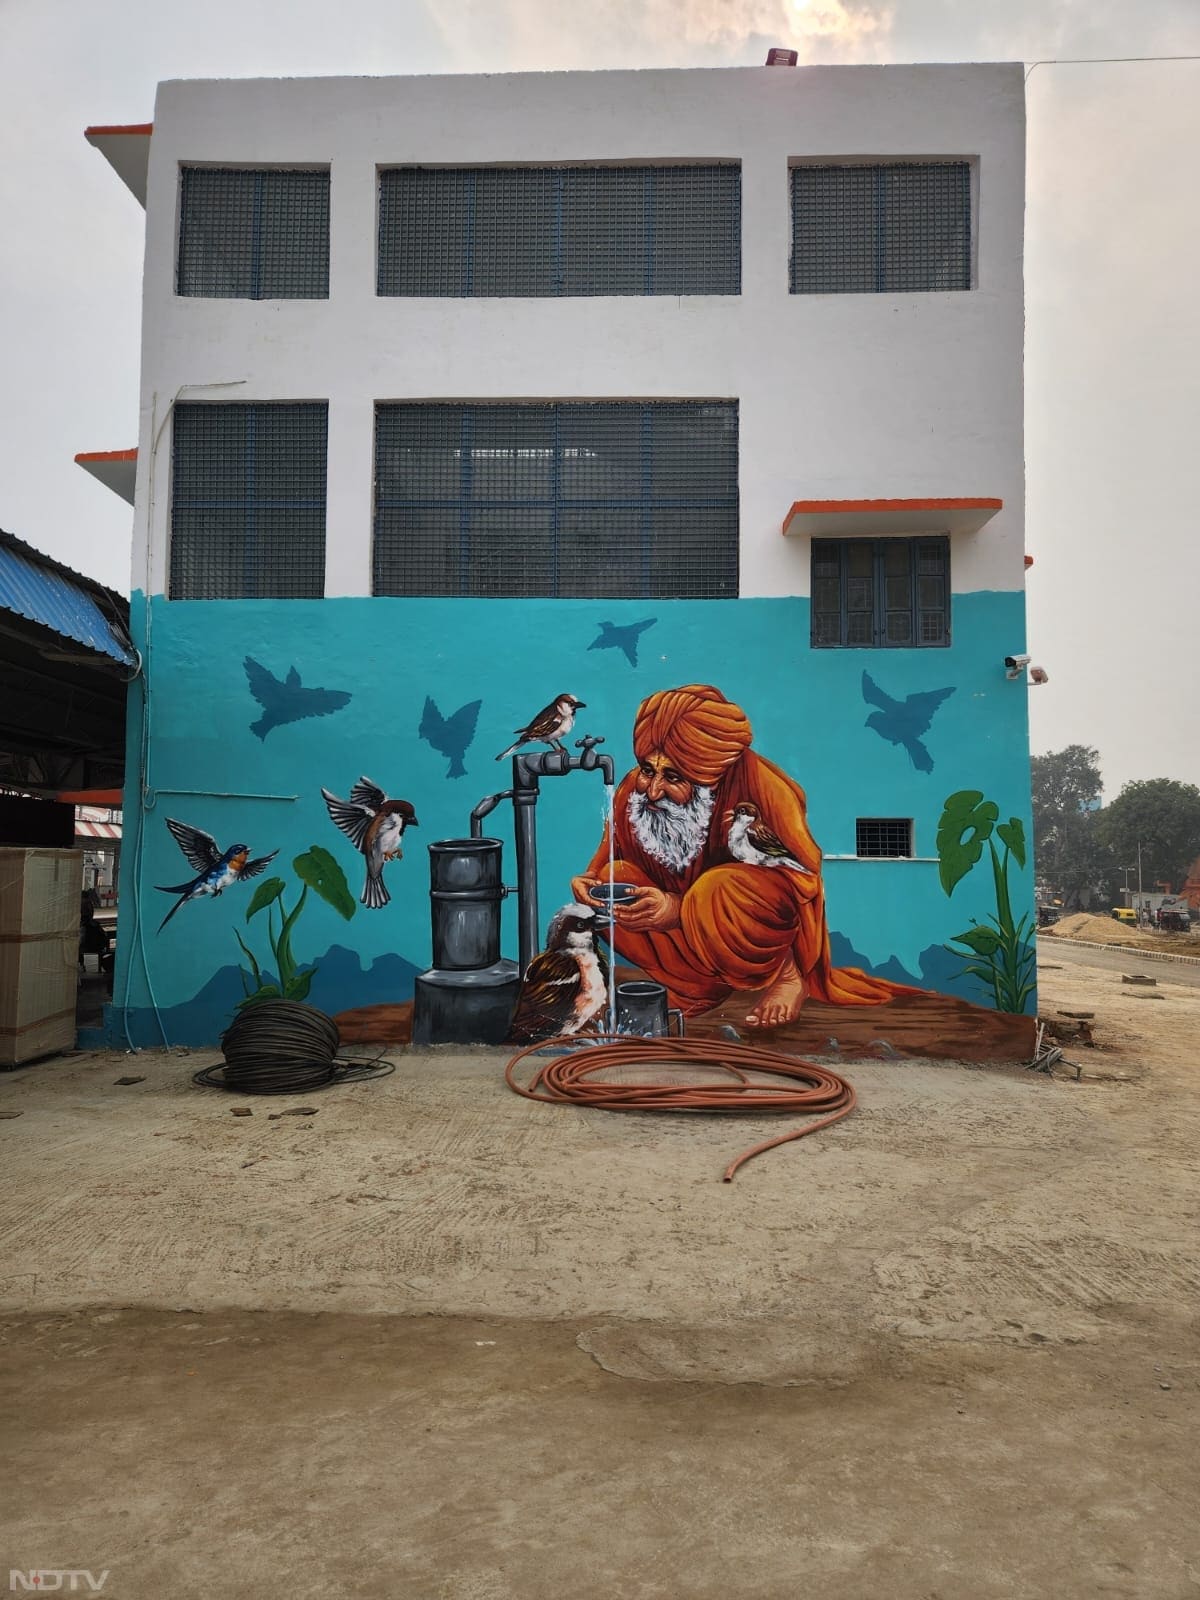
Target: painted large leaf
[965,827]
[317,868]
[1012,833]
[982,940]
[267,892]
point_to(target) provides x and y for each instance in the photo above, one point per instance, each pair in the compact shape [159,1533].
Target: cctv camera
[1015,663]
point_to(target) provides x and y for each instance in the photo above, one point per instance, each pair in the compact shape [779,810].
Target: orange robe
[738,923]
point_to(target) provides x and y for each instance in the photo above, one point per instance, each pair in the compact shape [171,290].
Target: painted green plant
[284,978]
[1002,954]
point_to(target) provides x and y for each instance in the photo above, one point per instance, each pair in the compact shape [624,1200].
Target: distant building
[461,392]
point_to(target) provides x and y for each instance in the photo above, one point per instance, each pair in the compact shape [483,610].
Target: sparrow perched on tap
[751,841]
[551,725]
[375,826]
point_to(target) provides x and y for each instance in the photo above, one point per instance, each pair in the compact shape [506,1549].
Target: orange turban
[699,731]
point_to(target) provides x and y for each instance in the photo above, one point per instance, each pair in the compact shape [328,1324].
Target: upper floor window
[890,228]
[883,836]
[608,499]
[254,233]
[538,231]
[248,501]
[881,593]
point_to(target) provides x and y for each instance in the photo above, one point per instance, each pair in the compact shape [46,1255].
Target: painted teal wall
[201,763]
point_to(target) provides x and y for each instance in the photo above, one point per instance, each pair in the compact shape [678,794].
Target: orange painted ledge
[104,129]
[846,518]
[86,456]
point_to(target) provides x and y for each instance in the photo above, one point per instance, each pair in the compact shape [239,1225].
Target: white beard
[673,834]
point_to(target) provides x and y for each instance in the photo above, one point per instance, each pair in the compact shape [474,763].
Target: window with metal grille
[254,233]
[881,593]
[530,231]
[887,229]
[883,836]
[617,500]
[248,502]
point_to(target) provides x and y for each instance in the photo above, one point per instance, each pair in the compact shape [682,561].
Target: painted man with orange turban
[702,923]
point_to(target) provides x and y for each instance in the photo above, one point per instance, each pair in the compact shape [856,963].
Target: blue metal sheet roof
[45,593]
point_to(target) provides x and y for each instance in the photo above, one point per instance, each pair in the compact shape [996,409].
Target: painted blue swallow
[215,870]
[904,721]
[612,637]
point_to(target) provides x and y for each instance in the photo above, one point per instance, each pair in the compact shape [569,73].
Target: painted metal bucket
[642,1009]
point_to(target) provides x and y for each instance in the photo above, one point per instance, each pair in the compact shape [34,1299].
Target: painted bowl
[612,894]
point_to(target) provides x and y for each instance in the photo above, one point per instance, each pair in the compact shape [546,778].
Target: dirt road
[437,1343]
[1116,959]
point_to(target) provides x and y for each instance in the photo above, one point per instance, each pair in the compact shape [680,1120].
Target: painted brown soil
[921,1024]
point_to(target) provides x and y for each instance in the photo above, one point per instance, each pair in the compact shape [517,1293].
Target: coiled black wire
[283,1047]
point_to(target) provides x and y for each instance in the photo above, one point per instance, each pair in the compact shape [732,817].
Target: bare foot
[783,1001]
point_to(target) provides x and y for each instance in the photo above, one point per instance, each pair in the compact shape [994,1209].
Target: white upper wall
[841,396]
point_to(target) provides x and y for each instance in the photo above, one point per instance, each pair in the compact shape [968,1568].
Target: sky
[1112,241]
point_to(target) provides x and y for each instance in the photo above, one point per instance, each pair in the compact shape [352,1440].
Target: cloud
[514,35]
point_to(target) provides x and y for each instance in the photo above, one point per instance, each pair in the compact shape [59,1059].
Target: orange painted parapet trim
[848,507]
[102,129]
[85,456]
[92,797]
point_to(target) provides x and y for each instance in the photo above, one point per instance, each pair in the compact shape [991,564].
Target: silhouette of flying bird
[450,736]
[612,637]
[751,841]
[375,826]
[565,989]
[550,726]
[286,699]
[904,721]
[215,869]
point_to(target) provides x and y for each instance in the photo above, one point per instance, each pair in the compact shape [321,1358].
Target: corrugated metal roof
[44,591]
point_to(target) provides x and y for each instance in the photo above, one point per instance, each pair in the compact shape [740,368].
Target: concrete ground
[435,1341]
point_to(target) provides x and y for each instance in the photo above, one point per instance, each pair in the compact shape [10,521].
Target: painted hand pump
[375,826]
[215,868]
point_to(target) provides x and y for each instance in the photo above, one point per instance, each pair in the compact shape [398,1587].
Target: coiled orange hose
[572,1078]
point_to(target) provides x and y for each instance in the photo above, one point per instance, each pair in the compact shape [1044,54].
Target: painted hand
[580,887]
[650,911]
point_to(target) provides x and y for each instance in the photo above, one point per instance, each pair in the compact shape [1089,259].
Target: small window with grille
[893,228]
[881,593]
[473,232]
[254,233]
[883,836]
[622,500]
[248,502]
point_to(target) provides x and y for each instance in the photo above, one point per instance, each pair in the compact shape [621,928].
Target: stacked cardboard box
[39,951]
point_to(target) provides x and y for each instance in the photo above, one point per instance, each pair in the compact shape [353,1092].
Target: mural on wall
[551,725]
[624,637]
[285,700]
[375,826]
[725,903]
[903,722]
[565,990]
[284,978]
[1003,955]
[450,736]
[701,920]
[215,868]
